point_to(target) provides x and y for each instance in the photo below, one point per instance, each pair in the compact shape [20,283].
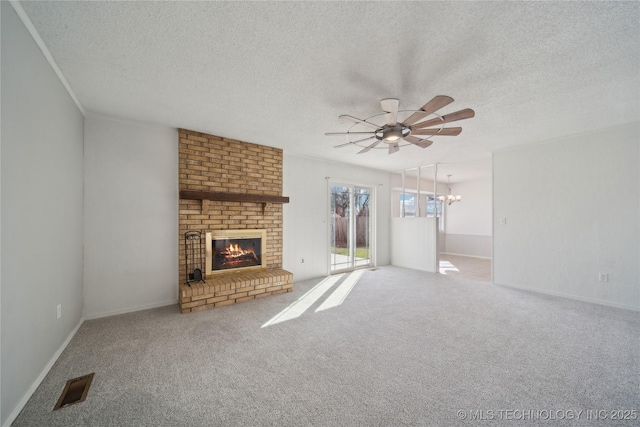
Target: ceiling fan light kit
[394,132]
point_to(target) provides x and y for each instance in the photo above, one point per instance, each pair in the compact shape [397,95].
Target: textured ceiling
[280,74]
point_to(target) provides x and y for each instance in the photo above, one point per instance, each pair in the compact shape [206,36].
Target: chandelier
[449,198]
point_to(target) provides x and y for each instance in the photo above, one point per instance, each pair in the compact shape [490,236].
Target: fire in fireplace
[236,253]
[235,249]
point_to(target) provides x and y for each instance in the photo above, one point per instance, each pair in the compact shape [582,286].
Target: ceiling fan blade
[359,121]
[353,142]
[467,113]
[442,131]
[412,139]
[342,145]
[390,106]
[346,133]
[393,148]
[370,147]
[423,143]
[364,139]
[432,106]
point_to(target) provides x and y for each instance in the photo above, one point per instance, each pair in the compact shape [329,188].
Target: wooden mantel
[231,197]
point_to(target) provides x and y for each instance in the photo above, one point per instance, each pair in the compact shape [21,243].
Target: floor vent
[75,391]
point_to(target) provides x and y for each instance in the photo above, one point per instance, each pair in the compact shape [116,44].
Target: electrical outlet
[302,261]
[503,221]
[59,311]
[603,277]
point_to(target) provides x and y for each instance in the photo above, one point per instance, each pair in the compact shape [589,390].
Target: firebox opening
[235,250]
[236,253]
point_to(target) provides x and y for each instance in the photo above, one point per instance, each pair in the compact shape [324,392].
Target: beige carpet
[403,348]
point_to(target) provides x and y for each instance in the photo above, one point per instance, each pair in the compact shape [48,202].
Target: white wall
[131,216]
[305,232]
[571,207]
[414,243]
[472,215]
[468,222]
[42,138]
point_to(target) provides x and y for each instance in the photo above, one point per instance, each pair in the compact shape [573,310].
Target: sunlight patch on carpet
[296,309]
[340,294]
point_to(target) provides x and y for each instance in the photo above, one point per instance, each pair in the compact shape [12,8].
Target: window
[412,195]
[430,206]
[408,204]
[438,209]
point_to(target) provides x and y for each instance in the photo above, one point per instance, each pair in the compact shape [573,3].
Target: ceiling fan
[411,129]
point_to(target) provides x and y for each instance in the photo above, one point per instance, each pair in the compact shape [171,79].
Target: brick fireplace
[230,186]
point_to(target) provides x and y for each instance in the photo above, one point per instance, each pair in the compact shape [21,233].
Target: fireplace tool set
[194,256]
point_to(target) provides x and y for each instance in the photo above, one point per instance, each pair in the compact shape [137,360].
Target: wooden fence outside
[341,224]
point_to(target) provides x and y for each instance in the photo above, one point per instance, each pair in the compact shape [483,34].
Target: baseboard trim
[569,296]
[467,255]
[130,309]
[21,404]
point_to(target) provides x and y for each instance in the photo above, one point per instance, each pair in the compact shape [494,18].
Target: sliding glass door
[350,222]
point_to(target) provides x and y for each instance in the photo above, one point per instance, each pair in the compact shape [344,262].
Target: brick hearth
[232,288]
[214,164]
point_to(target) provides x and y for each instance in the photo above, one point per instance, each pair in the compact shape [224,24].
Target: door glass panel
[340,228]
[362,199]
